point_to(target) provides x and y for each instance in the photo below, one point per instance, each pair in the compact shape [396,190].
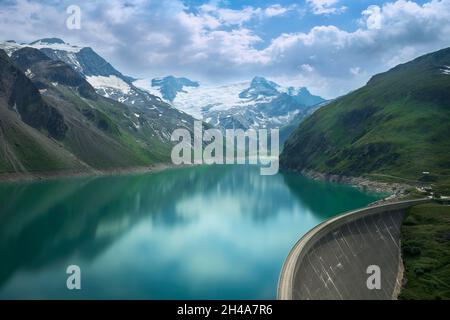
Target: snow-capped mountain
[171,101]
[98,72]
[84,60]
[170,86]
[110,83]
[259,103]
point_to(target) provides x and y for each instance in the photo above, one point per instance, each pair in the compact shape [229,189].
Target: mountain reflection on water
[200,232]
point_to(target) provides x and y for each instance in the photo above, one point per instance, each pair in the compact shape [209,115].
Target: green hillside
[51,119]
[425,242]
[29,128]
[397,126]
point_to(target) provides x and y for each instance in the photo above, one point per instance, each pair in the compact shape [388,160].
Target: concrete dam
[333,261]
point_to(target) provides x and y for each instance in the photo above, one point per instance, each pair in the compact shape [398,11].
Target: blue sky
[330,46]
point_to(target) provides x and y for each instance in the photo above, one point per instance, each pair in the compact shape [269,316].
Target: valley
[65,112]
[224,150]
[80,114]
[55,120]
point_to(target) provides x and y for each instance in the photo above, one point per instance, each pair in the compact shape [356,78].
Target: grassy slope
[101,135]
[288,129]
[23,147]
[26,149]
[426,252]
[100,132]
[398,125]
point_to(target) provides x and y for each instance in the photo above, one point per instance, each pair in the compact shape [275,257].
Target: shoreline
[395,189]
[55,175]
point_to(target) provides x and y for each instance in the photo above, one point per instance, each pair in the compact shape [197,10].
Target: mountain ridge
[111,83]
[397,124]
[27,126]
[259,103]
[169,86]
[53,119]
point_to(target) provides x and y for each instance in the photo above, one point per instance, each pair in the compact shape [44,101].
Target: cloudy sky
[330,46]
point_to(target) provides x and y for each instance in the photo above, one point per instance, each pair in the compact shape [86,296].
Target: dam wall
[331,261]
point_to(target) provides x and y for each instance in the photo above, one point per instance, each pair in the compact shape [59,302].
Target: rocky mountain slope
[52,119]
[30,128]
[108,82]
[170,86]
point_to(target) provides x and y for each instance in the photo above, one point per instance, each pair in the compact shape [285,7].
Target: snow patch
[55,46]
[112,82]
[193,100]
[199,101]
[146,84]
[29,74]
[74,61]
[10,47]
[446,70]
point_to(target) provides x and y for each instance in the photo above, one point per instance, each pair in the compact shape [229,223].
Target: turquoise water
[193,233]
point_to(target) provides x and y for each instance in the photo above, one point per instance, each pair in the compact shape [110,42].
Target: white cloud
[307,68]
[326,6]
[393,33]
[239,17]
[213,43]
[373,17]
[275,10]
[234,46]
[230,16]
[355,71]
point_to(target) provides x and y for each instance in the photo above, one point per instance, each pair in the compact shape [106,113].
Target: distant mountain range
[397,126]
[259,103]
[65,108]
[109,82]
[84,60]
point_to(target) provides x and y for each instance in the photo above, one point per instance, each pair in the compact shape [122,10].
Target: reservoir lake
[206,232]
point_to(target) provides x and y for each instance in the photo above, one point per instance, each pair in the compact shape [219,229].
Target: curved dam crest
[331,260]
